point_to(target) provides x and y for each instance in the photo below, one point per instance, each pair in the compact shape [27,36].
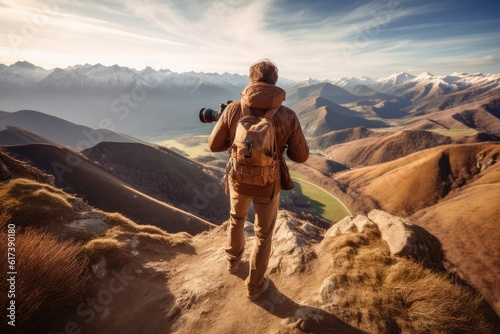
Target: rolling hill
[340,136]
[76,174]
[384,147]
[319,116]
[482,115]
[325,90]
[451,190]
[60,131]
[166,176]
[17,136]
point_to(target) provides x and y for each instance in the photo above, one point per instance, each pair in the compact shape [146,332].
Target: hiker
[240,128]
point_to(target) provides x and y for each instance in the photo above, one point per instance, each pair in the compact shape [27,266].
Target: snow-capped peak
[395,79]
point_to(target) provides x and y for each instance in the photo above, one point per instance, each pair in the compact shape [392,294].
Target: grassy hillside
[374,150]
[340,136]
[56,280]
[480,115]
[77,175]
[319,116]
[68,253]
[408,297]
[453,191]
[318,200]
[166,176]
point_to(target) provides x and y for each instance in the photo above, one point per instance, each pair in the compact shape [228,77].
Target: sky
[319,39]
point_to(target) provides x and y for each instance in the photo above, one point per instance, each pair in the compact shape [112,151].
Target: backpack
[254,157]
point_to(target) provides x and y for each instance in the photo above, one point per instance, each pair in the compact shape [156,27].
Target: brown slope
[324,90]
[55,129]
[17,136]
[422,179]
[440,98]
[319,116]
[468,227]
[339,137]
[166,176]
[453,191]
[375,150]
[100,189]
[326,166]
[11,168]
[482,115]
[59,131]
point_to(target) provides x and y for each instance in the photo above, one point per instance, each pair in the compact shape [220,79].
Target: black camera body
[208,115]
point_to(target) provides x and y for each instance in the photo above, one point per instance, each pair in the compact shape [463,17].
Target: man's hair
[264,71]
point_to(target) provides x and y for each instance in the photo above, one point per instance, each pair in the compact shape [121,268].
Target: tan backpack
[254,156]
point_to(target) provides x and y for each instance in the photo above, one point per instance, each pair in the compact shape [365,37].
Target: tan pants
[266,211]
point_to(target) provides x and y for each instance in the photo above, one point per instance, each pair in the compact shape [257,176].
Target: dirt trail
[210,300]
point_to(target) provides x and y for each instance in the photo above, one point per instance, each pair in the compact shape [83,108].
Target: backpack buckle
[248,144]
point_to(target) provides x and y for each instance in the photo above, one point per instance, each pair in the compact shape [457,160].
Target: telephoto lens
[208,115]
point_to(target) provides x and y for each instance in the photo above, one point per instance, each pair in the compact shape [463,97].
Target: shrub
[111,249]
[51,275]
[381,293]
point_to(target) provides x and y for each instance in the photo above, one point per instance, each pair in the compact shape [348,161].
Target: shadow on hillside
[307,202]
[122,301]
[304,206]
[303,317]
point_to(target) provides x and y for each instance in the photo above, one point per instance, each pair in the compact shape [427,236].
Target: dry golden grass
[452,191]
[428,302]
[34,204]
[116,245]
[51,275]
[117,219]
[380,293]
[150,232]
[114,251]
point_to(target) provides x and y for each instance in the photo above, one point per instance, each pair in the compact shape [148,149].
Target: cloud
[319,39]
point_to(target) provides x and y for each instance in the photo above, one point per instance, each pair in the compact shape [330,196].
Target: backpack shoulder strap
[245,109]
[271,112]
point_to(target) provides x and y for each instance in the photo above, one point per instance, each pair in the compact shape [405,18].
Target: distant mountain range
[149,103]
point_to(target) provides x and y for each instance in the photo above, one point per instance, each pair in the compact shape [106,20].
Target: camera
[208,115]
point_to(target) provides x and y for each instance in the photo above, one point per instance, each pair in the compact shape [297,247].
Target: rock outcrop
[403,237]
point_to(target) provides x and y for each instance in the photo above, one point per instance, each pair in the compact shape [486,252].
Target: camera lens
[207,115]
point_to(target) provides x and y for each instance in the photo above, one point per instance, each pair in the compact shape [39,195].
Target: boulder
[291,244]
[408,240]
[403,238]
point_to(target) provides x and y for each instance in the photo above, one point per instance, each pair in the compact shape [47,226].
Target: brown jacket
[260,97]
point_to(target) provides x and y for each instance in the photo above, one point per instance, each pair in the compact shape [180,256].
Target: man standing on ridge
[260,99]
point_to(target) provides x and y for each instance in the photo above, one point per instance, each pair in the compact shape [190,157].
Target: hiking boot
[232,265]
[253,295]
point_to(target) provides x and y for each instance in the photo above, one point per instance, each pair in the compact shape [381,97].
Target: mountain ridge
[150,102]
[75,173]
